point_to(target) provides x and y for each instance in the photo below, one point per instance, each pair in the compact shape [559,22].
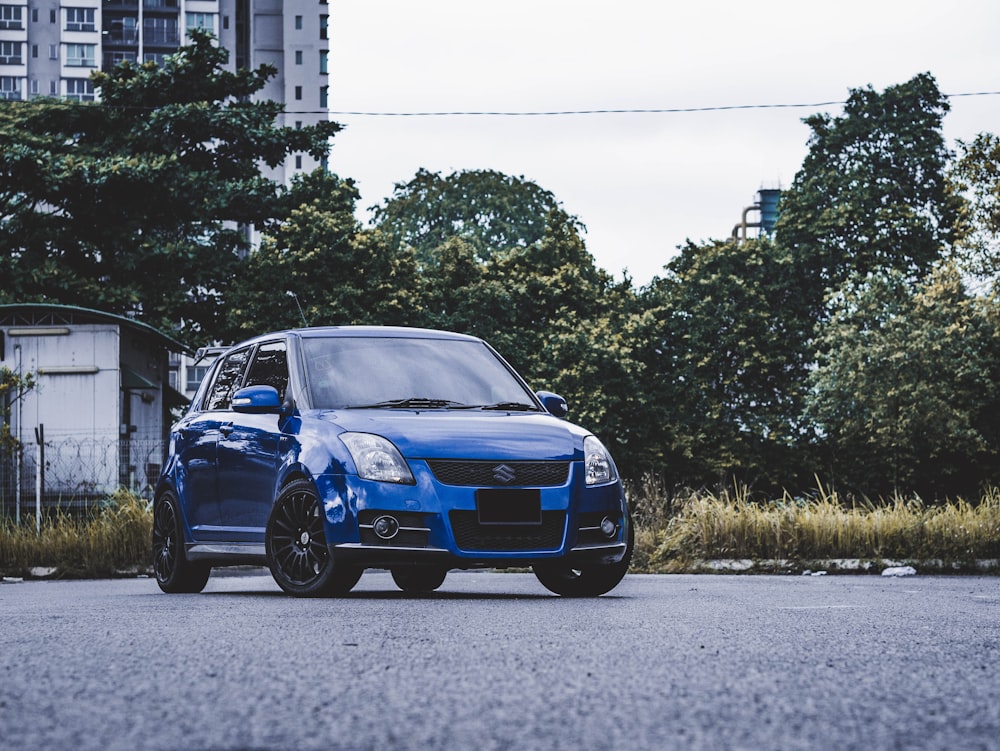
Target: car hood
[467,434]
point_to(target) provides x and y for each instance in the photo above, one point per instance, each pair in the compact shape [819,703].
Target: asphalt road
[494,662]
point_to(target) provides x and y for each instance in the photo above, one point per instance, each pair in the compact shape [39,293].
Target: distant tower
[767,205]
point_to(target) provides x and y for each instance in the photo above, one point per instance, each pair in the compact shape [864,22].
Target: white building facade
[50,47]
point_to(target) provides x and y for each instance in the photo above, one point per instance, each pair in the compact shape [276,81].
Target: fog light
[386,527]
[608,528]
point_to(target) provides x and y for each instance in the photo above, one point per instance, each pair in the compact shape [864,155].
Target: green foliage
[905,393]
[131,205]
[726,364]
[489,210]
[976,173]
[13,387]
[339,273]
[871,194]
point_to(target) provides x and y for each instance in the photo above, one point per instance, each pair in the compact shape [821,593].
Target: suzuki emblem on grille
[504,474]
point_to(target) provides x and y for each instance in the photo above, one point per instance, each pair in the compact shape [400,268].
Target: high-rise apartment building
[50,47]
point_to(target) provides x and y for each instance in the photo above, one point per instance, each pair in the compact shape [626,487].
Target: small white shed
[98,416]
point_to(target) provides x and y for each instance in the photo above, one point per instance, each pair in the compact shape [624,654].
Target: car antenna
[297,305]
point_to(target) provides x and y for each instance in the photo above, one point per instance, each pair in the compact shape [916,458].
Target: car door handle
[226,429]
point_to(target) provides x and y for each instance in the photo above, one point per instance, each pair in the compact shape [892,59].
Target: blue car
[321,452]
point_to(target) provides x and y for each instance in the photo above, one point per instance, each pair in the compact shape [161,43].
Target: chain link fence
[73,474]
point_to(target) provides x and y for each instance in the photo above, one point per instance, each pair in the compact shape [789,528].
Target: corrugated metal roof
[49,314]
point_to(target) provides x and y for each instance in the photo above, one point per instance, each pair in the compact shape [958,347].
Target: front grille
[471,535]
[499,473]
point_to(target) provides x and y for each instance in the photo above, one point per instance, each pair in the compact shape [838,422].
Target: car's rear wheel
[587,581]
[174,572]
[416,579]
[297,553]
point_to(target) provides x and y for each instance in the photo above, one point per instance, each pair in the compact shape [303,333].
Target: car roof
[387,332]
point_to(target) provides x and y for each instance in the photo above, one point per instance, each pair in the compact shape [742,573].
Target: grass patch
[702,526]
[113,539]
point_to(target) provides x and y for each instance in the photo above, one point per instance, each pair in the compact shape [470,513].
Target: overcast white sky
[641,183]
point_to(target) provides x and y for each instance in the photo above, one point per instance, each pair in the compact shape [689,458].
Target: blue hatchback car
[321,452]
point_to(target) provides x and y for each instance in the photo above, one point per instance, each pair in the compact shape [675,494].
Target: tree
[491,211]
[319,258]
[134,204]
[871,194]
[905,394]
[725,365]
[976,173]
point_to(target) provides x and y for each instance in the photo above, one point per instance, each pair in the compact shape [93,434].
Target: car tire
[417,579]
[297,553]
[175,574]
[588,581]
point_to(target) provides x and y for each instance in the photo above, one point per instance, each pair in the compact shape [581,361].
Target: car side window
[269,368]
[227,379]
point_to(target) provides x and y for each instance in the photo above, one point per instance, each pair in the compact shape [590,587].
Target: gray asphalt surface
[492,661]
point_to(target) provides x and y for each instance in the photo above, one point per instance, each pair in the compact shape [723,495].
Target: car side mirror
[257,400]
[553,403]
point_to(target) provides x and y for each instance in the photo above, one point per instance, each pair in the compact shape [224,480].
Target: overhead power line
[622,111]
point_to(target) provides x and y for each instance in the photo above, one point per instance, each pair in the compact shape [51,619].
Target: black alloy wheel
[417,579]
[297,553]
[175,574]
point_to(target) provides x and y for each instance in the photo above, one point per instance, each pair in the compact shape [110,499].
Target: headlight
[597,462]
[377,459]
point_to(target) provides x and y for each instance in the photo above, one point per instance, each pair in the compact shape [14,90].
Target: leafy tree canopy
[871,193]
[132,204]
[977,175]
[320,260]
[491,211]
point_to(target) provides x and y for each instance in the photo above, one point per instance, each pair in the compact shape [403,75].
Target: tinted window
[356,371]
[227,380]
[269,368]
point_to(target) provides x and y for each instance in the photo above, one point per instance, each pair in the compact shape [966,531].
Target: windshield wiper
[413,402]
[511,407]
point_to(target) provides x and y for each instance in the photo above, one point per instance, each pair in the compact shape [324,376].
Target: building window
[111,59]
[53,89]
[201,21]
[323,55]
[298,93]
[81,55]
[52,16]
[53,52]
[194,376]
[298,57]
[122,30]
[154,57]
[10,16]
[158,3]
[324,21]
[34,15]
[79,89]
[33,85]
[225,22]
[298,23]
[10,87]
[80,19]
[161,31]
[10,53]
[298,161]
[34,50]
[324,92]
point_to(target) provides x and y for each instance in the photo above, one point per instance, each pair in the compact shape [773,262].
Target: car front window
[346,372]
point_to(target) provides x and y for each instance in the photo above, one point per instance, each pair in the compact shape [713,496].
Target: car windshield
[387,372]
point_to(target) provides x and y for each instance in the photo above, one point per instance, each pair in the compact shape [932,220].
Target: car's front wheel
[416,579]
[297,553]
[174,572]
[587,581]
